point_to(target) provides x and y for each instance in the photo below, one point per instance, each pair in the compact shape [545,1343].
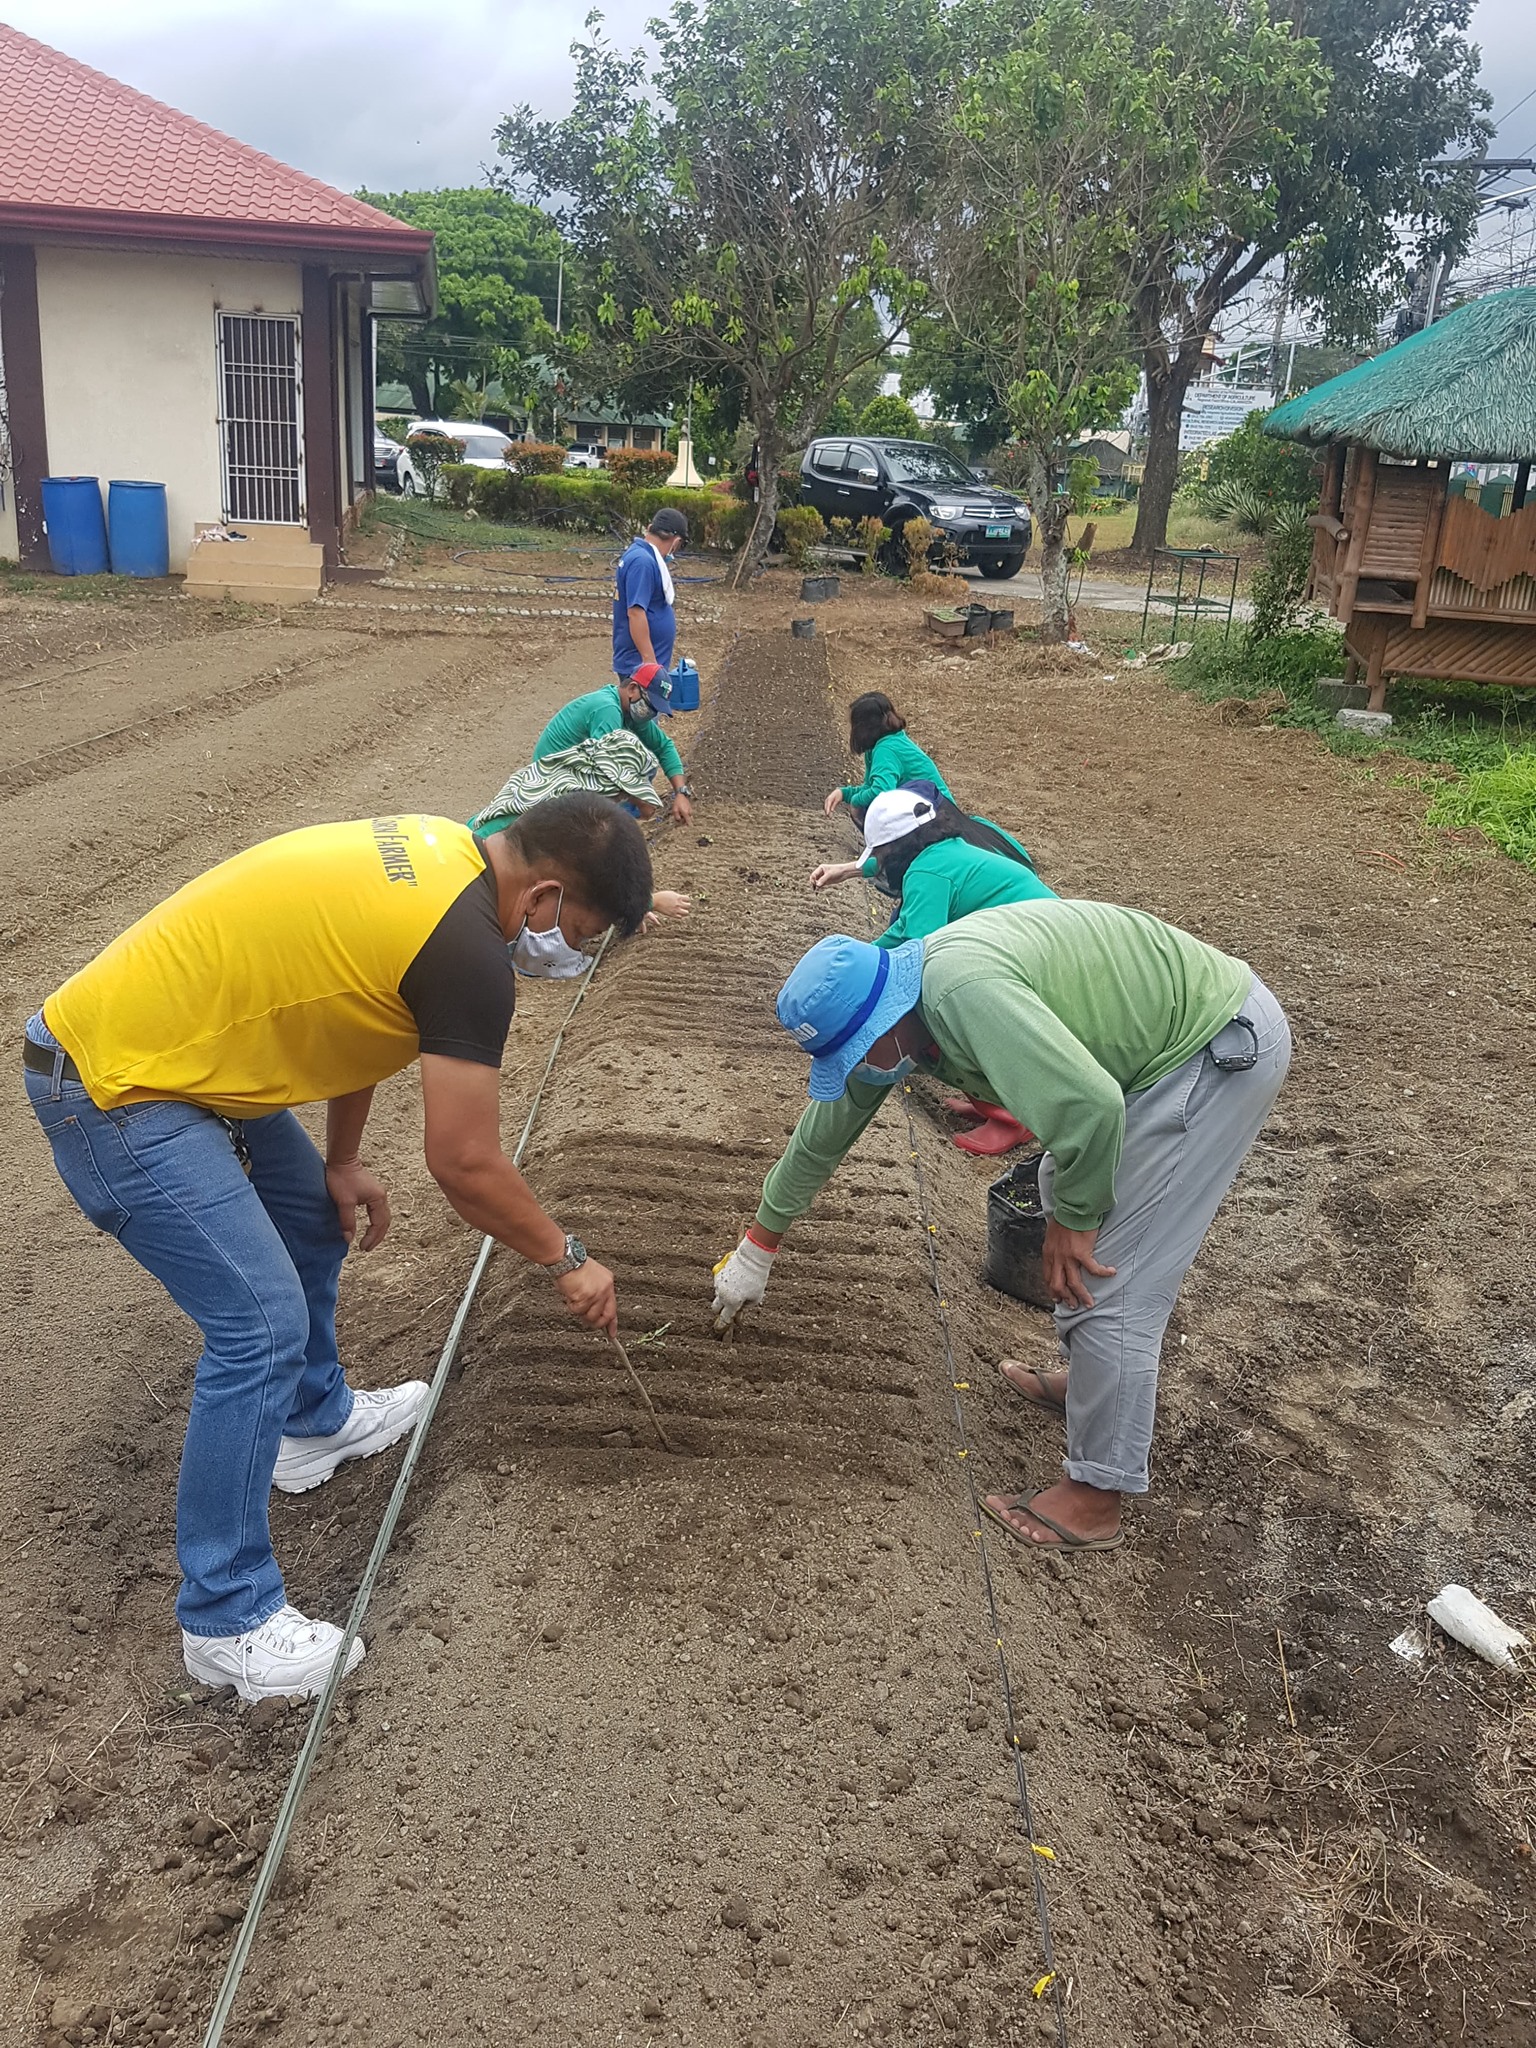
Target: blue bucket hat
[842,996]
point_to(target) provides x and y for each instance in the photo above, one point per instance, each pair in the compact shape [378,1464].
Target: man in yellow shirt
[165,1074]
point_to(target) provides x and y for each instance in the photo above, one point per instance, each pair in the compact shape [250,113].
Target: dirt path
[709,1748]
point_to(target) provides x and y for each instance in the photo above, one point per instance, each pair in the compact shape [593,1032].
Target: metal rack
[1179,567]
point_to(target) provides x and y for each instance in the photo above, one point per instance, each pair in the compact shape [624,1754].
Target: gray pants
[1185,1138]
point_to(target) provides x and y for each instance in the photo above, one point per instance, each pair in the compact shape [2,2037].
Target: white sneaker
[377,1421]
[287,1654]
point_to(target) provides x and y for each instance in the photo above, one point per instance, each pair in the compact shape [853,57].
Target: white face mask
[548,955]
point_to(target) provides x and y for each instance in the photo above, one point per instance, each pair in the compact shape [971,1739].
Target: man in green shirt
[632,704]
[1146,1061]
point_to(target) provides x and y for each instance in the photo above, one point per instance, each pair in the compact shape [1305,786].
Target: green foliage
[497,262]
[1283,472]
[537,458]
[1279,584]
[891,415]
[455,483]
[839,417]
[801,528]
[430,451]
[1500,801]
[640,465]
[870,535]
[1241,507]
[1320,139]
[1082,483]
[589,501]
[941,362]
[735,199]
[442,526]
[714,519]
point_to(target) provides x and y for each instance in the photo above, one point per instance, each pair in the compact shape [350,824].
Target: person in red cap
[632,704]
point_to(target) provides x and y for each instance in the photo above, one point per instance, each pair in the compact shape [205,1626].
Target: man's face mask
[549,955]
[640,712]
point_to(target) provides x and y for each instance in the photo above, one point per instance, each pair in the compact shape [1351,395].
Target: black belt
[40,1059]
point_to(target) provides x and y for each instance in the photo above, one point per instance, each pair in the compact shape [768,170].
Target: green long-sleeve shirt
[890,762]
[598,712]
[1057,1011]
[953,879]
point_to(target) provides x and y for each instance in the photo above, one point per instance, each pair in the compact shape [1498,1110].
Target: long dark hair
[948,822]
[870,718]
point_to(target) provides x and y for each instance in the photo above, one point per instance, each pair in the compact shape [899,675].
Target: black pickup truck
[856,477]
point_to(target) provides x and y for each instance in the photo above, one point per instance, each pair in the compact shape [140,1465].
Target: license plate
[999,532]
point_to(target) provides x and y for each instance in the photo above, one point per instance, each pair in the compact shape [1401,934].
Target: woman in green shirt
[938,863]
[877,730]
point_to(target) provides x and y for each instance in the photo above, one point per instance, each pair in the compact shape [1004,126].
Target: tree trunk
[770,451]
[1051,512]
[1167,384]
[421,397]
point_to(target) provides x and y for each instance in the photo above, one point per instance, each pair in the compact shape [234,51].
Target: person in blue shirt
[644,620]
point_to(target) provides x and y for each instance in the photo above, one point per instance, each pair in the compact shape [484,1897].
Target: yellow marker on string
[1042,1984]
[1040,1848]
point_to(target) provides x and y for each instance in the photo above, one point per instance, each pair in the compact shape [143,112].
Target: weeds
[441,525]
[1500,801]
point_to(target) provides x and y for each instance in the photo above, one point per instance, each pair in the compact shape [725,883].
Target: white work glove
[741,1281]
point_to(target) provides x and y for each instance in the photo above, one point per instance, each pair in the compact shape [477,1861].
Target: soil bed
[707,1748]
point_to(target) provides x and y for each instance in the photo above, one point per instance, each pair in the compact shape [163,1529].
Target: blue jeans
[255,1263]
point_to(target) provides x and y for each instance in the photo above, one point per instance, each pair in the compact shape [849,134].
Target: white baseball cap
[892,815]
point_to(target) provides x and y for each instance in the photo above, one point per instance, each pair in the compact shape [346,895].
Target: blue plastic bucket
[138,529]
[685,686]
[77,531]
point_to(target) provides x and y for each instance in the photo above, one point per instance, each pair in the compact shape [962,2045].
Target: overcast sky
[397,96]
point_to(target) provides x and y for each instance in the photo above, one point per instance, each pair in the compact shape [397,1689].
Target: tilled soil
[709,1746]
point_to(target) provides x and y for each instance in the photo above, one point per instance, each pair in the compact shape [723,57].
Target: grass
[1476,742]
[68,589]
[441,526]
[1187,528]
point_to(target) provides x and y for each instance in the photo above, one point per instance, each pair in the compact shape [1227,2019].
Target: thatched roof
[1464,388]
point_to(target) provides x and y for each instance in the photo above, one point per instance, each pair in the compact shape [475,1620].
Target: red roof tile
[85,147]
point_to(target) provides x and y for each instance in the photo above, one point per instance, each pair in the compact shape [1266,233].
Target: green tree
[1283,472]
[893,415]
[1321,155]
[1058,146]
[955,377]
[742,210]
[497,269]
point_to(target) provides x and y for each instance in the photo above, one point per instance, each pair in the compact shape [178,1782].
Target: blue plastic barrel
[77,532]
[685,686]
[138,529]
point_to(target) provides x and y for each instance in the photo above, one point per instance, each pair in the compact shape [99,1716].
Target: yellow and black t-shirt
[313,965]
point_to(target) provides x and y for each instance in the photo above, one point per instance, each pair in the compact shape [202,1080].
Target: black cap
[668,521]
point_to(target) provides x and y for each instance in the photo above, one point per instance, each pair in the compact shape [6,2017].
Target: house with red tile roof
[179,308]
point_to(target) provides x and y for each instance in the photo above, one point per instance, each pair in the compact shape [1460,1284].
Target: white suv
[584,455]
[484,448]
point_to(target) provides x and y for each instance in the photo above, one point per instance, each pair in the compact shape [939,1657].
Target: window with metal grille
[261,418]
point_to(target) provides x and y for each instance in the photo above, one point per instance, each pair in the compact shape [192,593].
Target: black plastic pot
[803,629]
[1002,620]
[816,589]
[978,620]
[1016,1234]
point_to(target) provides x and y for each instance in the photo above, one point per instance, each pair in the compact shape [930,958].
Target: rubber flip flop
[989,1140]
[1065,1540]
[1040,1400]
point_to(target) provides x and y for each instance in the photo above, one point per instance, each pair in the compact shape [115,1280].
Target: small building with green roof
[1424,580]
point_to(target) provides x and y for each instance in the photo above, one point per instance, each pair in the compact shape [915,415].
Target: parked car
[900,480]
[484,448]
[386,457]
[584,455]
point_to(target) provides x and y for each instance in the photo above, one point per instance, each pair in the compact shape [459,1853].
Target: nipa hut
[1425,581]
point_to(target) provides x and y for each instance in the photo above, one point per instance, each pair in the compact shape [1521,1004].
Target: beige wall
[129,369]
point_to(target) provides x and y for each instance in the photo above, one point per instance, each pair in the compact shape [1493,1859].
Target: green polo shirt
[890,762]
[598,712]
[1057,1011]
[953,879]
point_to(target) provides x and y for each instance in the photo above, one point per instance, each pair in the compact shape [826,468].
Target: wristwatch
[575,1255]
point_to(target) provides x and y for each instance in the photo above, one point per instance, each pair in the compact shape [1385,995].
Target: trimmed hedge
[537,458]
[640,466]
[588,502]
[455,482]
